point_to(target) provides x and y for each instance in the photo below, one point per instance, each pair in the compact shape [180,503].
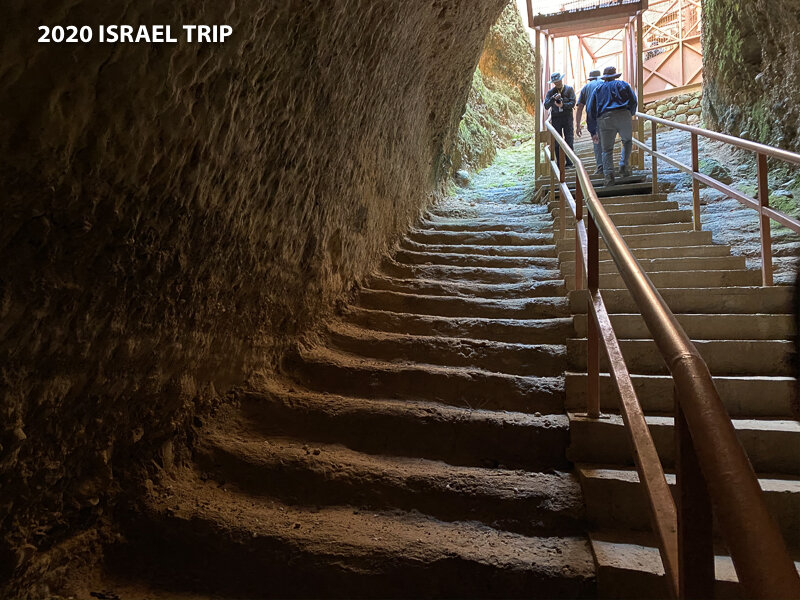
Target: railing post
[578,218]
[653,158]
[562,204]
[695,185]
[766,234]
[550,168]
[695,536]
[593,331]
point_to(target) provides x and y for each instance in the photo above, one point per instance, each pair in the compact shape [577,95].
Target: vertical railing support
[766,234]
[653,158]
[695,185]
[562,201]
[695,534]
[593,329]
[552,196]
[578,218]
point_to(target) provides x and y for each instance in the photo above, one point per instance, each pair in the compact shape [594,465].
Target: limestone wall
[751,69]
[173,216]
[681,108]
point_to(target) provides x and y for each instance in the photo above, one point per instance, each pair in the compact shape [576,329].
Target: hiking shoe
[625,171]
[608,180]
[598,171]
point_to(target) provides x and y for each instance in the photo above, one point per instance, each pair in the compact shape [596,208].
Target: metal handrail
[760,204]
[712,467]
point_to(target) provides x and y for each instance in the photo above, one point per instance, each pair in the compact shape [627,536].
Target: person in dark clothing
[560,100]
[610,109]
[583,100]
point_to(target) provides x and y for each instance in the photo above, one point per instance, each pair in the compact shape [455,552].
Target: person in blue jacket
[583,100]
[560,100]
[611,107]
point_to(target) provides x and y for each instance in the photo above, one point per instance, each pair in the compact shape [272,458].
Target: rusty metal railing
[714,475]
[759,204]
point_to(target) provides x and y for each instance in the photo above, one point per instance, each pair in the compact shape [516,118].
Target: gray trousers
[608,126]
[598,154]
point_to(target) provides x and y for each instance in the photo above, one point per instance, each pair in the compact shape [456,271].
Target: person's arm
[578,115]
[591,114]
[569,98]
[548,99]
[633,102]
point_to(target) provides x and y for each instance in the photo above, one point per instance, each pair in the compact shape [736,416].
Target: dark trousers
[563,125]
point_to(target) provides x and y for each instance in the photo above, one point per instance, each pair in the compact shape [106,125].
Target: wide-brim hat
[594,74]
[610,73]
[556,77]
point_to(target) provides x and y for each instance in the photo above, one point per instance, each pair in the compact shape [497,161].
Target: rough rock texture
[751,69]
[503,95]
[683,108]
[173,215]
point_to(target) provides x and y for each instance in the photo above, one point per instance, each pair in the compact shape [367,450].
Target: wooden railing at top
[713,473]
[760,204]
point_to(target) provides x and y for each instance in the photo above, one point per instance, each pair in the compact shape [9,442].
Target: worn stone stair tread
[332,474]
[341,372]
[632,218]
[499,357]
[621,208]
[662,252]
[480,238]
[414,257]
[629,566]
[743,395]
[209,531]
[704,326]
[525,331]
[635,230]
[771,444]
[726,299]
[455,434]
[649,240]
[723,357]
[538,250]
[533,224]
[614,498]
[529,308]
[469,289]
[682,279]
[457,273]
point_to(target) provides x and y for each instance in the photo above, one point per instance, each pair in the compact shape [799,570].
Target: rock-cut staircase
[418,450]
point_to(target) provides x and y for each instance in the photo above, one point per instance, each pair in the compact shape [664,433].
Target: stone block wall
[681,108]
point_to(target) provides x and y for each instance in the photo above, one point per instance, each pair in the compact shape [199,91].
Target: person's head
[557,79]
[594,74]
[610,73]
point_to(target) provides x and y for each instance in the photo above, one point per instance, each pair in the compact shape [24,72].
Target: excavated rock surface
[415,449]
[751,69]
[173,214]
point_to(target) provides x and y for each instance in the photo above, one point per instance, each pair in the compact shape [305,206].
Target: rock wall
[751,69]
[173,216]
[683,108]
[502,99]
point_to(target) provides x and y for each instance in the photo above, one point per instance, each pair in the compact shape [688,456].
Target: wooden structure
[585,18]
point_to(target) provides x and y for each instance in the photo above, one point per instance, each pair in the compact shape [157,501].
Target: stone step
[534,308]
[408,257]
[659,253]
[634,199]
[532,224]
[729,300]
[455,435]
[771,444]
[682,279]
[723,357]
[498,357]
[469,289]
[698,263]
[704,326]
[649,240]
[743,395]
[613,208]
[615,500]
[629,218]
[538,250]
[629,566]
[221,541]
[326,369]
[523,331]
[630,230]
[321,474]
[478,274]
[480,238]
